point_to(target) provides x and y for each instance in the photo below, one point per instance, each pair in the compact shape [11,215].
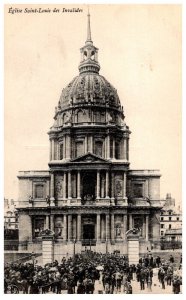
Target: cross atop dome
[89,54]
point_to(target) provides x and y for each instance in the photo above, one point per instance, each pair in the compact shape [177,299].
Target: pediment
[89,158]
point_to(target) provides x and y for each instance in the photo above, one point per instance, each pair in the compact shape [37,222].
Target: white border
[2,119]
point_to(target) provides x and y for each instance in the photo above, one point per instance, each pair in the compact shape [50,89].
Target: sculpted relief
[59,186]
[118,188]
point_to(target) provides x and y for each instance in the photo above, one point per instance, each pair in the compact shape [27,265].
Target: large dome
[89,93]
[89,88]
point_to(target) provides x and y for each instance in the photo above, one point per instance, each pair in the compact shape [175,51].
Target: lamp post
[74,247]
[33,258]
[106,246]
[90,243]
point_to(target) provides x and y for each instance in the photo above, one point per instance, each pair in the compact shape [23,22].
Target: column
[52,222]
[125,148]
[124,185]
[58,151]
[68,146]
[52,149]
[124,226]
[102,188]
[130,222]
[113,148]
[107,184]
[144,227]
[69,185]
[146,188]
[69,227]
[52,186]
[86,144]
[147,228]
[98,184]
[102,228]
[78,185]
[65,227]
[64,146]
[79,227]
[98,227]
[108,146]
[112,178]
[91,144]
[112,228]
[47,222]
[107,228]
[64,185]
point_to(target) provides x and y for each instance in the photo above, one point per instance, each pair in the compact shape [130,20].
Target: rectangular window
[38,226]
[117,150]
[177,218]
[162,225]
[162,232]
[138,223]
[39,191]
[79,149]
[98,148]
[111,147]
[169,226]
[161,218]
[138,190]
[170,218]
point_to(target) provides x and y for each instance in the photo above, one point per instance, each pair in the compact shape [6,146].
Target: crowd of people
[111,272]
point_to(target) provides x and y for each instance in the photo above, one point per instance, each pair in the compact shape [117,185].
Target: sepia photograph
[92,148]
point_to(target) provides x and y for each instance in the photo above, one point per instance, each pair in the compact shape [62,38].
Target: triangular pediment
[90,158]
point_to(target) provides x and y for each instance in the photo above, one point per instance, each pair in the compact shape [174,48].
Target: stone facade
[89,197]
[171,220]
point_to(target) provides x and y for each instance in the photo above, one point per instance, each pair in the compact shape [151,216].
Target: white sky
[139,53]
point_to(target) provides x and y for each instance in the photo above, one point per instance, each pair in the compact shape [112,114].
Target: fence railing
[165,245]
[13,245]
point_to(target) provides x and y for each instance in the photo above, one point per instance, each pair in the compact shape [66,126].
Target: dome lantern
[89,54]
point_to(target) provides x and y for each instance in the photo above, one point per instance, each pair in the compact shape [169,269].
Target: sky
[140,55]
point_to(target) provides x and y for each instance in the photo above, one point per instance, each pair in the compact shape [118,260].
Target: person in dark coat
[80,288]
[142,279]
[176,285]
[171,259]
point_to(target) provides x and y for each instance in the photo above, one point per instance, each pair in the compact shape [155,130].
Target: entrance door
[89,232]
[89,185]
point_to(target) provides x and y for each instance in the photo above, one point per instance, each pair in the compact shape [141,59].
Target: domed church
[89,198]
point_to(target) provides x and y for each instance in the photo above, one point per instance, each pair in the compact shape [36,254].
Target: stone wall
[25,227]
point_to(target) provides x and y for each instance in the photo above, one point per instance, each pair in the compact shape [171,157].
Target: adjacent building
[89,196]
[171,221]
[10,215]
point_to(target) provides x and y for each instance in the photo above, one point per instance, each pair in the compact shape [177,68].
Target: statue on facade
[118,230]
[47,200]
[47,232]
[118,188]
[30,199]
[59,188]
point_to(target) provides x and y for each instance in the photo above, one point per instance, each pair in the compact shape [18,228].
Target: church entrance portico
[88,230]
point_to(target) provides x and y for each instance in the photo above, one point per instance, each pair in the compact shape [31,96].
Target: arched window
[80,116]
[117,150]
[61,151]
